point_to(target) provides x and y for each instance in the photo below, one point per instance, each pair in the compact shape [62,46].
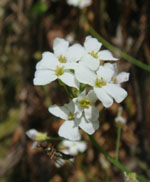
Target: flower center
[62,59]
[71,116]
[100,82]
[93,54]
[85,103]
[59,70]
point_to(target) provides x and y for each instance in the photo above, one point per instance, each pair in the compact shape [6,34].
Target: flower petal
[69,79]
[32,134]
[85,3]
[89,127]
[70,106]
[84,75]
[118,93]
[92,44]
[103,97]
[122,77]
[105,72]
[73,150]
[60,46]
[92,113]
[89,61]
[68,131]
[106,55]
[60,112]
[43,77]
[47,61]
[82,146]
[92,96]
[74,53]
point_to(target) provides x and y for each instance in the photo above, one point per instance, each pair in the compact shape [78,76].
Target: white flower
[36,135]
[103,86]
[66,54]
[92,56]
[73,120]
[54,66]
[50,69]
[69,129]
[87,112]
[79,3]
[73,148]
[120,119]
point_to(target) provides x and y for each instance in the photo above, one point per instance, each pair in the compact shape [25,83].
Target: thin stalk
[118,52]
[118,141]
[114,161]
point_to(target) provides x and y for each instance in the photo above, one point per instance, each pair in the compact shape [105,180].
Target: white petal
[92,113]
[85,3]
[68,131]
[118,93]
[105,72]
[84,75]
[92,96]
[91,62]
[73,150]
[60,46]
[82,146]
[92,44]
[69,79]
[106,55]
[122,77]
[73,2]
[32,134]
[82,95]
[74,53]
[112,66]
[71,65]
[120,119]
[47,61]
[60,112]
[67,143]
[43,77]
[103,97]
[35,144]
[89,127]
[70,107]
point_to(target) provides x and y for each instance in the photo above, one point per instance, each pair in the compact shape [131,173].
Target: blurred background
[28,28]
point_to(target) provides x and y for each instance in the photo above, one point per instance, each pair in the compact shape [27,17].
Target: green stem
[114,161]
[118,141]
[118,51]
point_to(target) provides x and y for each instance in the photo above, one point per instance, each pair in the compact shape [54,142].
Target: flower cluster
[81,67]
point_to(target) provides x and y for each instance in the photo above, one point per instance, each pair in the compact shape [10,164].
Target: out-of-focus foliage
[27,28]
